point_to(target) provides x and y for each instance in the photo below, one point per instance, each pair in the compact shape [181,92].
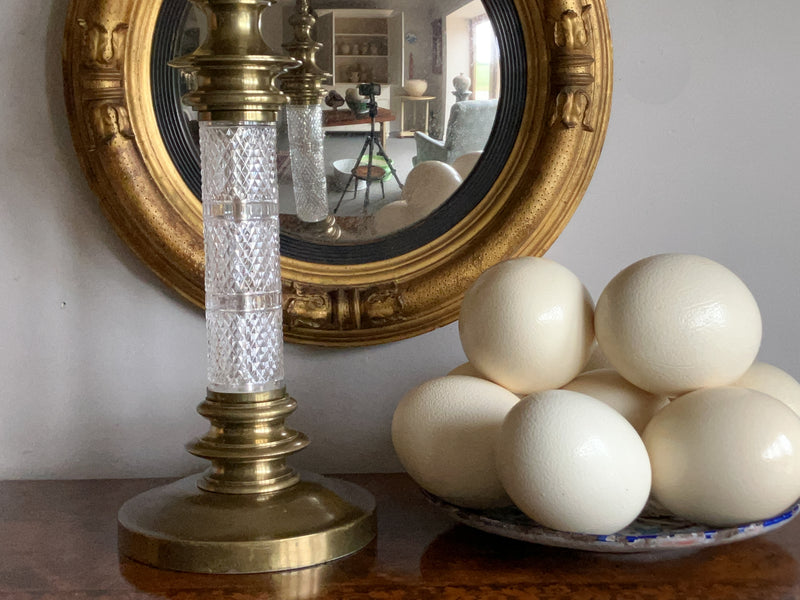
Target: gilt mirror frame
[568,80]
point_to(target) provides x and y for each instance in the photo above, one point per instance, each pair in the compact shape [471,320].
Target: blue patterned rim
[652,531]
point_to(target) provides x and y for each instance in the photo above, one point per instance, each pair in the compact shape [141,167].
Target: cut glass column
[243,283]
[308,164]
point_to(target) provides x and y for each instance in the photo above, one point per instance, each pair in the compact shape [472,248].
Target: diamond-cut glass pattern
[308,162]
[243,299]
[248,354]
[244,254]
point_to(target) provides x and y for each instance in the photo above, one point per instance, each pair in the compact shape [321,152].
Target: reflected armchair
[468,130]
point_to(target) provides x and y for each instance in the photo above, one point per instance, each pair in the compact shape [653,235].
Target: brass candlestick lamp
[249,512]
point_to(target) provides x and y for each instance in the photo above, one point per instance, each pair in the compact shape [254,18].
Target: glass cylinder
[242,237]
[308,164]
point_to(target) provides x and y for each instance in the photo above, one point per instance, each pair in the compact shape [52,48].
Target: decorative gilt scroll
[342,309]
[110,120]
[573,59]
[307,307]
[98,90]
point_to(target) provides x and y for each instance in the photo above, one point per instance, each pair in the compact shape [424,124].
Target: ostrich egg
[573,463]
[444,432]
[673,323]
[527,324]
[725,456]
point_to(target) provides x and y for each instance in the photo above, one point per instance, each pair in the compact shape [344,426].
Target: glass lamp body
[306,139]
[243,284]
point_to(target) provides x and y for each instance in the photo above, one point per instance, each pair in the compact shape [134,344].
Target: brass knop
[233,72]
[248,442]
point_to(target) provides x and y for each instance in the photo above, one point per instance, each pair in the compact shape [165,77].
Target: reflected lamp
[303,86]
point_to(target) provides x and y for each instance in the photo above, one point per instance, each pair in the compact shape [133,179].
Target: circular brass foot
[326,230]
[183,528]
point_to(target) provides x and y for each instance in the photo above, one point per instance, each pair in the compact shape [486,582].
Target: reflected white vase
[461,82]
[415,87]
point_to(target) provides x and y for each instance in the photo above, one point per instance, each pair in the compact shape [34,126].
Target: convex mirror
[480,173]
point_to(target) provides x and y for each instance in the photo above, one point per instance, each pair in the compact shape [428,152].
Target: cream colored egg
[393,217]
[573,463]
[526,324]
[608,386]
[465,163]
[466,369]
[725,456]
[597,360]
[428,185]
[774,382]
[444,432]
[677,322]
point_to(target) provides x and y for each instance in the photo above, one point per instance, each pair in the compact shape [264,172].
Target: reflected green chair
[468,129]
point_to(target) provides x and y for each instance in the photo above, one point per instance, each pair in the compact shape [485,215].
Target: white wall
[102,366]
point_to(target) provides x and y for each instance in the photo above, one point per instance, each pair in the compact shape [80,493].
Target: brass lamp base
[249,512]
[183,528]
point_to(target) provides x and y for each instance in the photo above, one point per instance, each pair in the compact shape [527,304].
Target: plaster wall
[101,365]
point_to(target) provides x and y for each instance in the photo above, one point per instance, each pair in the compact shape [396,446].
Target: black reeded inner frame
[179,139]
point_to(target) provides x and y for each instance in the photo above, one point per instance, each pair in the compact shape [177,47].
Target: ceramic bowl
[415,87]
[341,174]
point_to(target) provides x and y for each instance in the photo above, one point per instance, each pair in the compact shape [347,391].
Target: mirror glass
[444,108]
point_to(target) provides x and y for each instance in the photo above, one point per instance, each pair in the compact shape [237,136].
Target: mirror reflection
[423,76]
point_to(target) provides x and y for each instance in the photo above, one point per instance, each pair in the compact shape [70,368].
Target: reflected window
[485,59]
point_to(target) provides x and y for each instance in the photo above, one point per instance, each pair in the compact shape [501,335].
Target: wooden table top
[336,118]
[58,541]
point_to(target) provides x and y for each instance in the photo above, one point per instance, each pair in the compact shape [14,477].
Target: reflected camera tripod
[370,90]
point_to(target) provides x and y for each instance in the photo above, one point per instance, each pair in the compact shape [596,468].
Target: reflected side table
[414,103]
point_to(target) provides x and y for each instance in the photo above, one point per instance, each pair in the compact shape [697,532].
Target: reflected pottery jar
[461,82]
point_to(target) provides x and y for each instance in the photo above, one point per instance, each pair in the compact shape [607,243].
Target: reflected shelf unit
[363,46]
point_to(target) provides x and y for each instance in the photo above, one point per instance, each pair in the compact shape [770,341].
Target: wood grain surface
[335,118]
[58,541]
